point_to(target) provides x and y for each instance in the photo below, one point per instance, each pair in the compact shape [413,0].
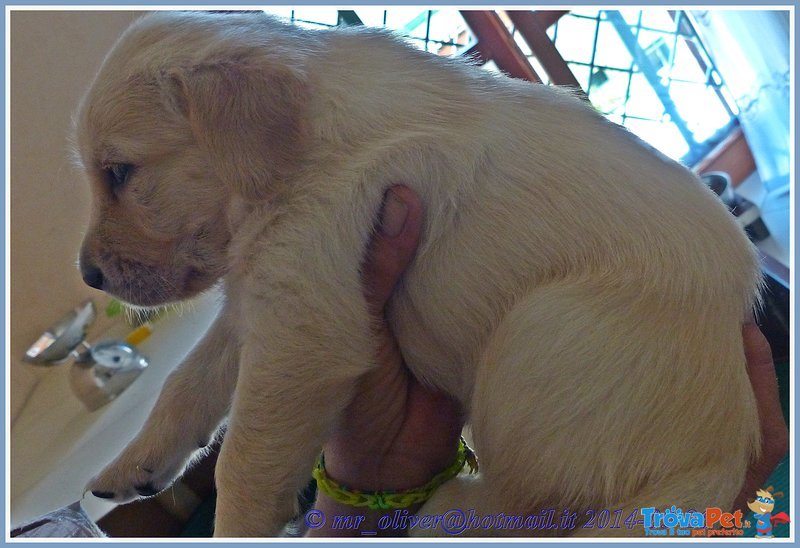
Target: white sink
[57,445]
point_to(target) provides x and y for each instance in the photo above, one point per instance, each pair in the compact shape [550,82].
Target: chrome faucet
[99,373]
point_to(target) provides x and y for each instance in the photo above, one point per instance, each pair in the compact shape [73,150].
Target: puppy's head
[189,114]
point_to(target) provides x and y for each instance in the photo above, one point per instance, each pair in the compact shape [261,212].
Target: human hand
[396,434]
[774,433]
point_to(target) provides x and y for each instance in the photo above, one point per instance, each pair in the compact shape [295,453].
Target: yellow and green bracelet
[390,500]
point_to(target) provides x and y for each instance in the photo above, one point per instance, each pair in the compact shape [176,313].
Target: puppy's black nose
[93,276]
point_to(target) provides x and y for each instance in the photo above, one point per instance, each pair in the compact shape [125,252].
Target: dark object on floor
[68,522]
[744,210]
[773,320]
[169,513]
[201,523]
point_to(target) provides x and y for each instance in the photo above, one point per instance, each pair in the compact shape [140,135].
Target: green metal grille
[648,70]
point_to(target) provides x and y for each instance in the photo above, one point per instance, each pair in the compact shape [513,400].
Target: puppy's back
[524,185]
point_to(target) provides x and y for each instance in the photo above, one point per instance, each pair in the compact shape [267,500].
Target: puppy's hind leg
[192,404]
[692,491]
[589,393]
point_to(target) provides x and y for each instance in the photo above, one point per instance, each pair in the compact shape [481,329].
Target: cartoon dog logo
[762,506]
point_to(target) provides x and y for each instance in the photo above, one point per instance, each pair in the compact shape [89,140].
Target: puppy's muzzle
[92,276]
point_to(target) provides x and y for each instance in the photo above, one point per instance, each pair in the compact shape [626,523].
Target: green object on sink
[114,308]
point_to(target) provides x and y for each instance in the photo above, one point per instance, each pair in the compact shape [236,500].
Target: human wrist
[376,471]
[368,472]
[368,506]
[392,459]
[392,498]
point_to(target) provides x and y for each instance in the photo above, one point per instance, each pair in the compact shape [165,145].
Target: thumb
[393,245]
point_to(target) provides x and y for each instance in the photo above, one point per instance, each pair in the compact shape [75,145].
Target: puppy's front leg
[307,339]
[277,426]
[193,402]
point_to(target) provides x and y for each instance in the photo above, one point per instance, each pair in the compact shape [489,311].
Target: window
[647,70]
[644,69]
[443,32]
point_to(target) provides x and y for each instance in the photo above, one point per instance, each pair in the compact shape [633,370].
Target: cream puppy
[580,294]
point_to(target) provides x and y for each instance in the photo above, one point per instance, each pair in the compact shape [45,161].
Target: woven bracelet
[391,500]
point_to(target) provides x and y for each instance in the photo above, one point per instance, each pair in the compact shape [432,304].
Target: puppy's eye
[118,175]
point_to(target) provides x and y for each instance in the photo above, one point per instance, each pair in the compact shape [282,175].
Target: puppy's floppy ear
[247,115]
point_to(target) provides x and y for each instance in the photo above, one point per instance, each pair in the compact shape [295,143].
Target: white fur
[580,294]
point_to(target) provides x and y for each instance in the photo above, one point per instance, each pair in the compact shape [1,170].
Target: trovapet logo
[674,522]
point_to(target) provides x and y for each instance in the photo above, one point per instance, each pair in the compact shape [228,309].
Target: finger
[756,346]
[761,370]
[393,246]
[774,433]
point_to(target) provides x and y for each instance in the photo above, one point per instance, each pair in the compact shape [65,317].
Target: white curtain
[751,51]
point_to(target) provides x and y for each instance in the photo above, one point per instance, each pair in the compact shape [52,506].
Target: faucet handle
[105,371]
[58,342]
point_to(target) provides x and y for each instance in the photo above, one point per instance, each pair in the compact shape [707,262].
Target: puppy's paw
[145,468]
